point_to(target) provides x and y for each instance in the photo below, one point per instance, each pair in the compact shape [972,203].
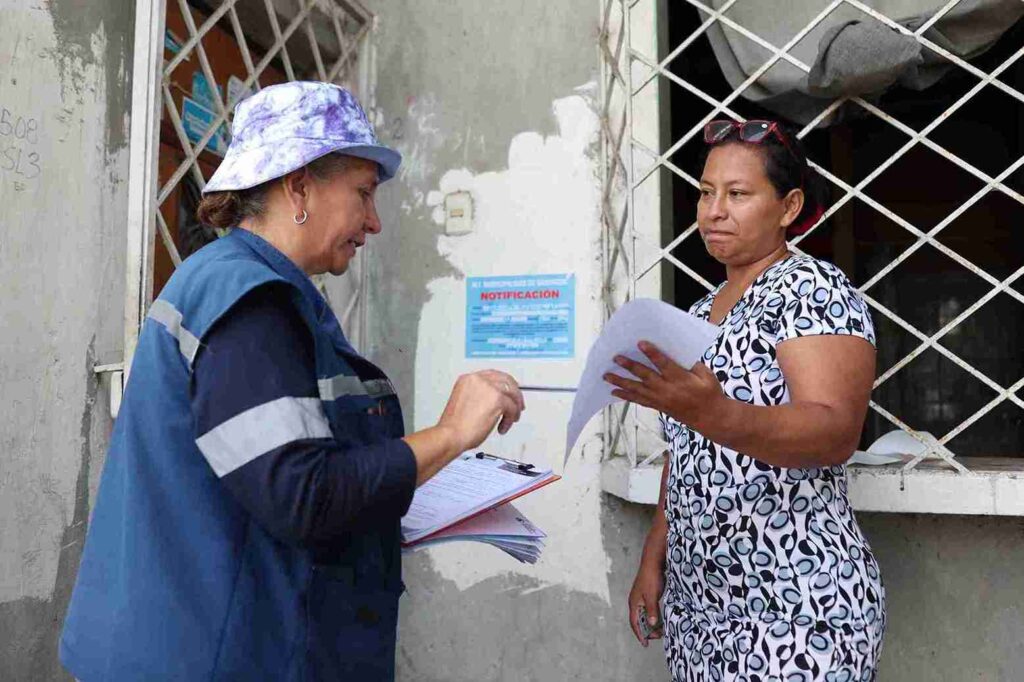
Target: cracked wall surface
[64,90]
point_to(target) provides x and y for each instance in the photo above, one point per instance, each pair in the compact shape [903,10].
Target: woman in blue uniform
[247,521]
[754,553]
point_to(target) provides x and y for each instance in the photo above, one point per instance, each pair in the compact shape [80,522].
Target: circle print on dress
[803,323]
[822,581]
[803,621]
[715,581]
[756,663]
[725,504]
[820,643]
[807,566]
[742,546]
[742,393]
[780,520]
[791,595]
[767,506]
[751,492]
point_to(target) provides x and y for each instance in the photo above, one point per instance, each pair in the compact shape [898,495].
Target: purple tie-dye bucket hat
[283,127]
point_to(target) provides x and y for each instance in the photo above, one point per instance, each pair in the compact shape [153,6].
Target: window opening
[215,53]
[925,207]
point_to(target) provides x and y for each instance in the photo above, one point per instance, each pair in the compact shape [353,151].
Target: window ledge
[994,486]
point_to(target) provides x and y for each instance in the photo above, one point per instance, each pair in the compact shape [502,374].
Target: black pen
[548,389]
[522,466]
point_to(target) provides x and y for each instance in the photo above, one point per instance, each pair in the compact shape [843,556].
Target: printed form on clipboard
[468,487]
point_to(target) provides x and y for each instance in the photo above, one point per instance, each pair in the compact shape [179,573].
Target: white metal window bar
[350,25]
[622,180]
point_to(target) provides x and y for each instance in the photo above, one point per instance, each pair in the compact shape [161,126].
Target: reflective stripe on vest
[168,316]
[344,386]
[260,429]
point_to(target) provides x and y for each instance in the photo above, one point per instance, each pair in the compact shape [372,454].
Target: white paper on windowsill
[895,446]
[680,335]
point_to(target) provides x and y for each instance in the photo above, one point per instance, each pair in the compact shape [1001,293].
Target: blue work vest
[177,581]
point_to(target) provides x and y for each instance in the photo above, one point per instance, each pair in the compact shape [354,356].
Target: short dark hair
[787,169]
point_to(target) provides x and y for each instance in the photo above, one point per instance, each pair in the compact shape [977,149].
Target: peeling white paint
[539,215]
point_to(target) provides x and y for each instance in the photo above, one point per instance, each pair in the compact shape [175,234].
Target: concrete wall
[63,162]
[955,590]
[499,99]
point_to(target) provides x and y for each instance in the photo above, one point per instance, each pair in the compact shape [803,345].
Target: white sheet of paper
[466,485]
[680,335]
[504,527]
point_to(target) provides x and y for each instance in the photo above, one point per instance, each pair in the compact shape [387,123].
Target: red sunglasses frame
[753,132]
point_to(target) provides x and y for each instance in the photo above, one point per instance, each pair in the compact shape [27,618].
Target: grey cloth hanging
[850,52]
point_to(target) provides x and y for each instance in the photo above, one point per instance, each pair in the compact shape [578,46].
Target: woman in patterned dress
[754,555]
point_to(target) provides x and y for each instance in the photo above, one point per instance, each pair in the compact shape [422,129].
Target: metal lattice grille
[635,251]
[276,41]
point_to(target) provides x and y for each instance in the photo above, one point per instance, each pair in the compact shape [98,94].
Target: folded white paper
[680,335]
[896,446]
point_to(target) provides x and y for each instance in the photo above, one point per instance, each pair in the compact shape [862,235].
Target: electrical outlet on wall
[458,213]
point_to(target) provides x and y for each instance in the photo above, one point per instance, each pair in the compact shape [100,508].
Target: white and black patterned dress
[769,577]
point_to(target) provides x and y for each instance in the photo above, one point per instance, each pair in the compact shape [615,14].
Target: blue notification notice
[196,120]
[522,316]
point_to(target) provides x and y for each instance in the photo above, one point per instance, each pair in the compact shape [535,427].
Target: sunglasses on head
[754,132]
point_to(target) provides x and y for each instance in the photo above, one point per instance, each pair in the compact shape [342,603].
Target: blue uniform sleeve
[260,424]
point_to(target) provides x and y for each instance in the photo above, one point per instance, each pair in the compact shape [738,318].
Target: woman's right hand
[648,587]
[476,404]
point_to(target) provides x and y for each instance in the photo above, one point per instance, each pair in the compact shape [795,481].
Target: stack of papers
[504,527]
[464,501]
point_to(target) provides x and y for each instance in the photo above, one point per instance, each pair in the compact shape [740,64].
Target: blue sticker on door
[521,316]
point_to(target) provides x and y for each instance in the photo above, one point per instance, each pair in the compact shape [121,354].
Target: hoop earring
[300,221]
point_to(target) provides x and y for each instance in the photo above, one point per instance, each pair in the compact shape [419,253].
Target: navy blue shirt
[306,492]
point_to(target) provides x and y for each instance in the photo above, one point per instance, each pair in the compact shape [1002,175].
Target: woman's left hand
[688,395]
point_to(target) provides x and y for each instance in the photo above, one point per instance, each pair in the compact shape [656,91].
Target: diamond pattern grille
[630,68]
